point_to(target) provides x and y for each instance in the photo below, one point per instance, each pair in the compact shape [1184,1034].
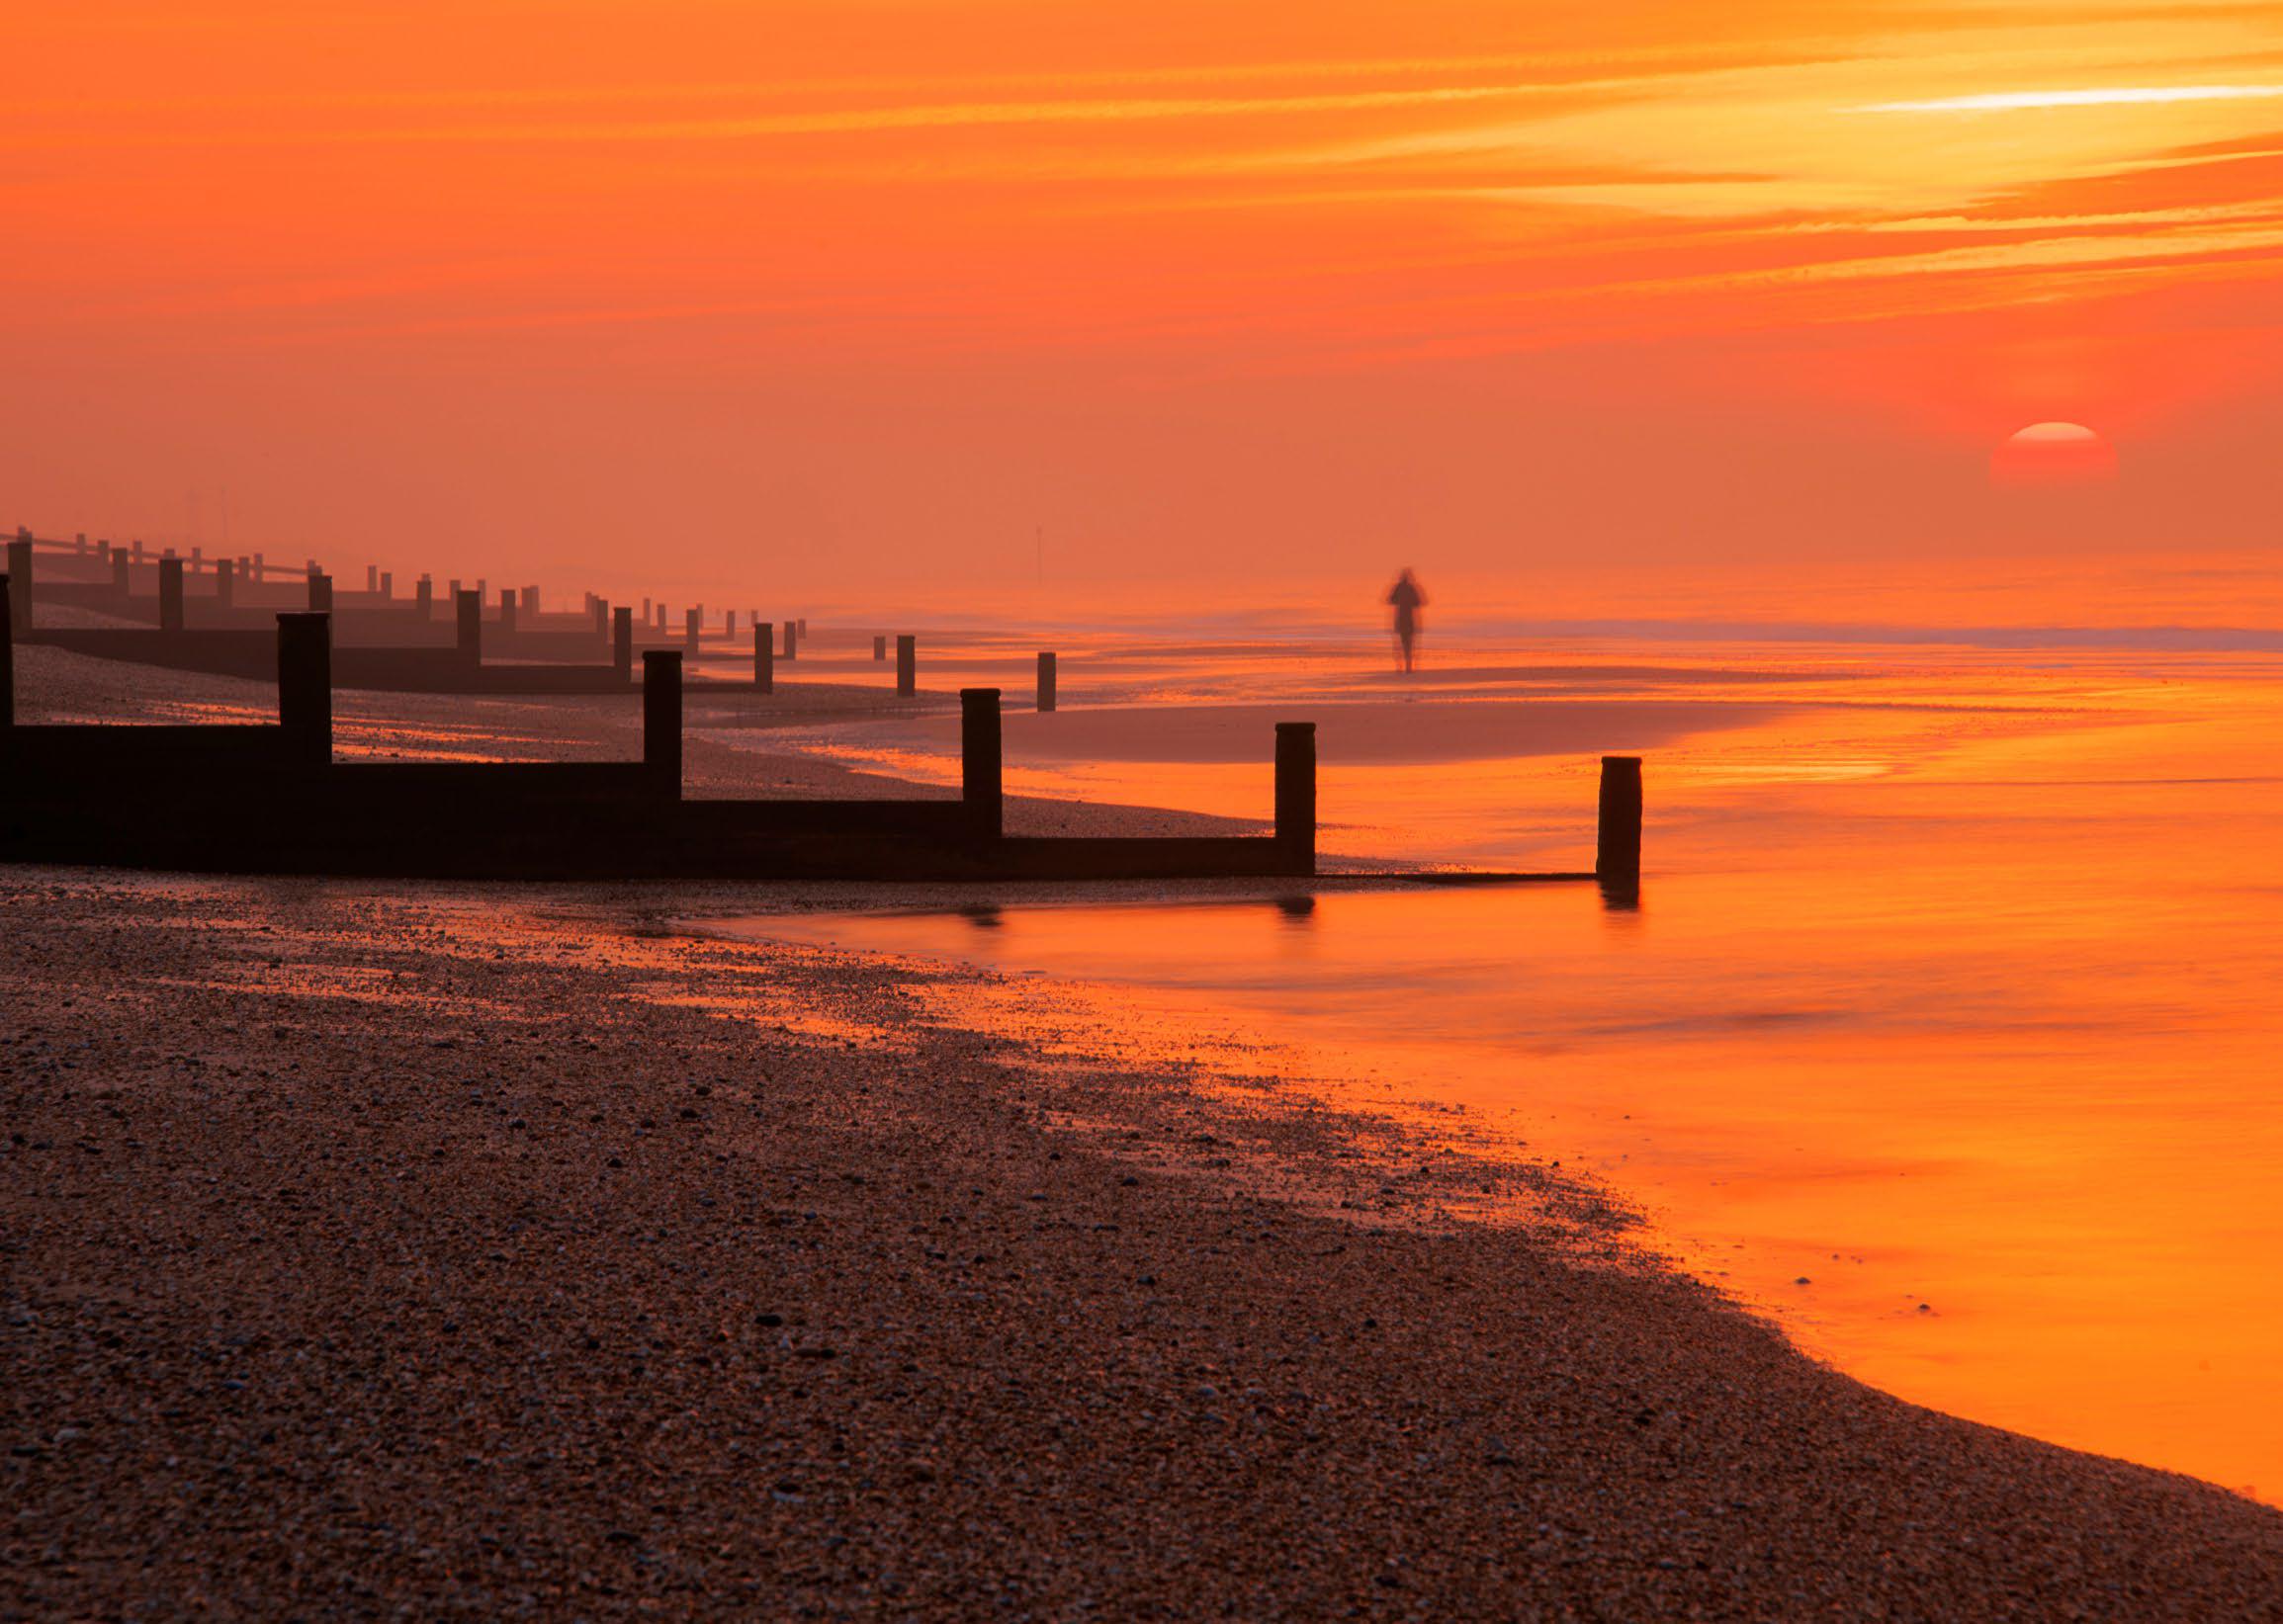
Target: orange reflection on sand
[1946,1029]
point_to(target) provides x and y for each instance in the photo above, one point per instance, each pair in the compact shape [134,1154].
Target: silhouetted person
[1408,600]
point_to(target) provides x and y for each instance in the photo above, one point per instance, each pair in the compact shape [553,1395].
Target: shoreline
[488,1248]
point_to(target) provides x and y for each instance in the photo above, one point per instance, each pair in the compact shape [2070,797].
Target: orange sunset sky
[708,294]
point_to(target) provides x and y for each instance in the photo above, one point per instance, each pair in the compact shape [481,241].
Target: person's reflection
[1298,910]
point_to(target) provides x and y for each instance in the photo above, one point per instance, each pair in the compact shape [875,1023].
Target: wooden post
[469,607]
[225,582]
[138,553]
[1618,853]
[372,578]
[764,668]
[981,776]
[261,563]
[906,664]
[662,718]
[170,594]
[803,624]
[424,598]
[692,624]
[320,592]
[531,601]
[20,585]
[729,623]
[599,608]
[1296,793]
[622,641]
[388,587]
[7,655]
[506,612]
[1046,682]
[119,576]
[306,685]
[880,646]
[792,639]
[103,554]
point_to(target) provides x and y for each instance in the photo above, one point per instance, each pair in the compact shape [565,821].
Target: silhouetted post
[453,592]
[320,592]
[692,623]
[138,553]
[792,639]
[118,578]
[372,578]
[764,668]
[1617,854]
[906,664]
[469,607]
[506,612]
[306,685]
[1296,793]
[170,594]
[261,563]
[7,656]
[645,611]
[197,559]
[388,587]
[729,623]
[20,585]
[424,598]
[225,582]
[803,624]
[622,641]
[880,646]
[661,718]
[103,554]
[981,779]
[1046,682]
[531,601]
[601,610]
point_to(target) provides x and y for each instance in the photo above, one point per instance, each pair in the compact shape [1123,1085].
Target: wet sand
[448,1250]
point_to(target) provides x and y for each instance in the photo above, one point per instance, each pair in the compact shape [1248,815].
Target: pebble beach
[435,1251]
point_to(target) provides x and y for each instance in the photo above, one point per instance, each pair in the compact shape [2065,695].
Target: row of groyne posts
[386,640]
[272,798]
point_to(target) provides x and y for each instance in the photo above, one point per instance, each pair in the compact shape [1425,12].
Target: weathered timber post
[119,576]
[1296,795]
[880,646]
[170,594]
[622,641]
[906,664]
[662,718]
[7,655]
[645,611]
[729,623]
[692,624]
[261,563]
[306,685]
[20,585]
[981,761]
[469,607]
[531,601]
[372,578]
[424,598]
[506,612]
[792,639]
[197,559]
[1046,682]
[1617,852]
[225,582]
[764,668]
[320,592]
[388,587]
[599,608]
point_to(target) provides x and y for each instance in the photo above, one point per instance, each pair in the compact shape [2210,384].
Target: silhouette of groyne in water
[273,798]
[214,616]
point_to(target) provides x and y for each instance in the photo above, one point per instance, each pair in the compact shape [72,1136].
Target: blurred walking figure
[1408,600]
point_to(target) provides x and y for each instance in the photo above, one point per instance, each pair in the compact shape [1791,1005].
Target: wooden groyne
[271,798]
